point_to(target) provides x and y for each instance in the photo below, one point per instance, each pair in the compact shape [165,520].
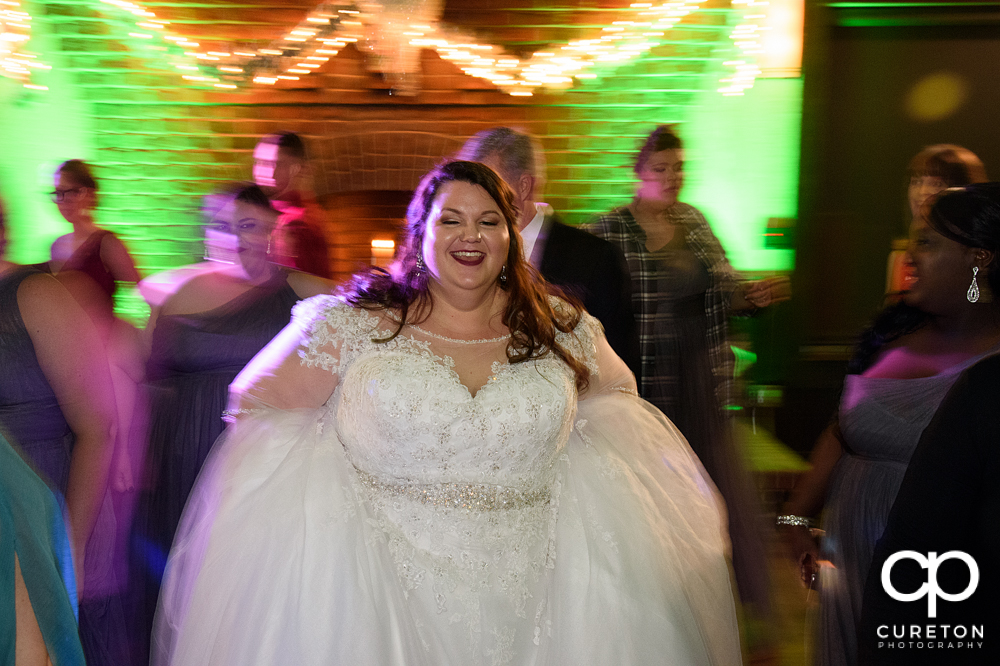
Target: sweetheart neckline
[448,363]
[444,360]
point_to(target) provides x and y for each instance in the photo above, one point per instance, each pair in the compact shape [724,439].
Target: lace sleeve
[333,332]
[607,371]
[320,320]
[301,366]
[583,342]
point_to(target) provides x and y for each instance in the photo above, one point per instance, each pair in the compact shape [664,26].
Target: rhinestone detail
[472,496]
[973,294]
[458,340]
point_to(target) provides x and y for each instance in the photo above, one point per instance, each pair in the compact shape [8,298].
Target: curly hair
[529,315]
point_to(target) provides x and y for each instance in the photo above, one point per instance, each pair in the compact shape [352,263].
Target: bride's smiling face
[466,239]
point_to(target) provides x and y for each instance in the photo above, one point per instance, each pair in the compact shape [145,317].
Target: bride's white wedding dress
[410,522]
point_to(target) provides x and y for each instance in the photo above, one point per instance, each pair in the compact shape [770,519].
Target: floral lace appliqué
[407,424]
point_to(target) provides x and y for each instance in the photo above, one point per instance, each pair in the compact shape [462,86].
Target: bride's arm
[612,373]
[297,369]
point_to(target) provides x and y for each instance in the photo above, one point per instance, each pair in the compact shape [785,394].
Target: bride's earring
[421,266]
[973,294]
[503,276]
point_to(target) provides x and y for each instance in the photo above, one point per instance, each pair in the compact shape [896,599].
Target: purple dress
[30,414]
[194,359]
[31,417]
[881,419]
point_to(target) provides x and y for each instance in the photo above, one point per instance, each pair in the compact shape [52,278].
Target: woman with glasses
[57,405]
[88,251]
[201,337]
[90,262]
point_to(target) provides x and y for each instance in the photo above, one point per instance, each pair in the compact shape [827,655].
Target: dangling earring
[421,266]
[267,252]
[503,276]
[973,293]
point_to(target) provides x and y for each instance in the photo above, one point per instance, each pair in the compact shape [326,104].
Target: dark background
[860,64]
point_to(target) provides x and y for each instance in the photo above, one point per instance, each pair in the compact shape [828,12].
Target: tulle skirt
[282,558]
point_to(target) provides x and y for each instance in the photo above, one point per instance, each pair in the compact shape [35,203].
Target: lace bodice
[404,416]
[464,487]
[421,501]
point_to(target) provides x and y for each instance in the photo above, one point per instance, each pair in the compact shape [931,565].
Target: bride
[447,465]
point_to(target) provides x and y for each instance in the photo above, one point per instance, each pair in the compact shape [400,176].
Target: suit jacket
[594,271]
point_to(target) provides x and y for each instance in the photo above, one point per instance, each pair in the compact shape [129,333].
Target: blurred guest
[57,404]
[279,168]
[949,500]
[933,169]
[38,602]
[201,338]
[683,291]
[585,266]
[89,250]
[939,167]
[91,262]
[904,365]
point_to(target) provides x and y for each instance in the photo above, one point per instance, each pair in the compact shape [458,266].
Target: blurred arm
[807,500]
[117,259]
[74,362]
[612,374]
[295,370]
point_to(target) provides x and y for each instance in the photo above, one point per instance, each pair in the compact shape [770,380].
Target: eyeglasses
[59,195]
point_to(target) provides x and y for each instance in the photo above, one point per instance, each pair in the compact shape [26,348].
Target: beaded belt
[474,496]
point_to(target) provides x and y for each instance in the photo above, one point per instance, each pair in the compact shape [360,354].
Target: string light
[332,26]
[15,32]
[747,37]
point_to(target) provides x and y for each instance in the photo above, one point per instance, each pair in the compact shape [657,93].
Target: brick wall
[161,144]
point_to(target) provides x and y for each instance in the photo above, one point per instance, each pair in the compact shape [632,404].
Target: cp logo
[930,589]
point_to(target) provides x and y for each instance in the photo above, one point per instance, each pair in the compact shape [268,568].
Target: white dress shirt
[531,233]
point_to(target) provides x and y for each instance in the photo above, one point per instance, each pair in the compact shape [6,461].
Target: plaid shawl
[622,229]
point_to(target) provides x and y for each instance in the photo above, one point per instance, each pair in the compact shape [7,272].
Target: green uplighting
[742,167]
[160,143]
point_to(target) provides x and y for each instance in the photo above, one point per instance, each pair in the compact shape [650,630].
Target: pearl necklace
[483,341]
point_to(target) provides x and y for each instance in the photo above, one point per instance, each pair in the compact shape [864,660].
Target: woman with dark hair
[447,465]
[683,293]
[201,337]
[91,262]
[903,367]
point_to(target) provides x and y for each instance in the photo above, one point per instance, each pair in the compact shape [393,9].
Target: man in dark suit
[585,266]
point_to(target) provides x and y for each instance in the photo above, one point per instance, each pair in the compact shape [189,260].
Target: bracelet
[794,521]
